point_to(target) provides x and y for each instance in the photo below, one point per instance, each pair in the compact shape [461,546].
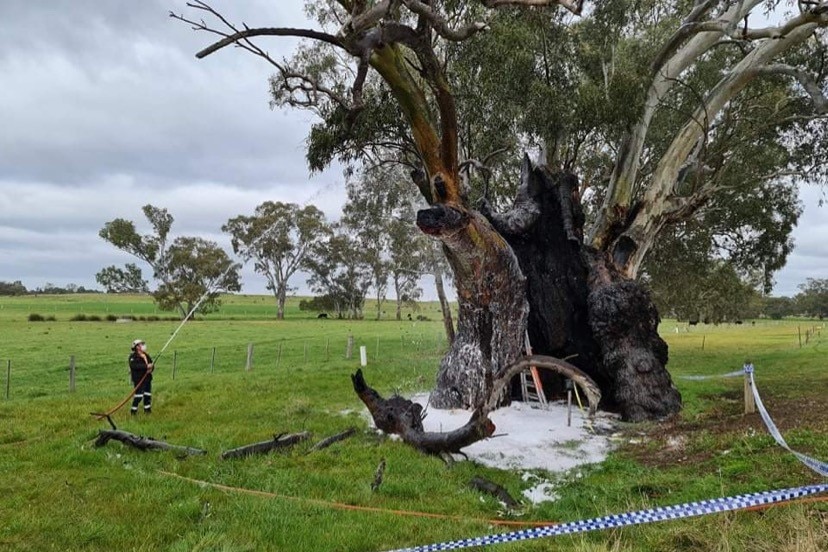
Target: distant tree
[278,237]
[185,270]
[13,288]
[318,304]
[777,308]
[381,213]
[693,288]
[195,266]
[340,273]
[116,280]
[813,301]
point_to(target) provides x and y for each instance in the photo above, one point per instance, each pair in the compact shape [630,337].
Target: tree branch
[441,26]
[574,6]
[812,88]
[239,35]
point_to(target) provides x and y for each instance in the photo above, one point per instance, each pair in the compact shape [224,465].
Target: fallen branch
[378,475]
[402,417]
[141,443]
[325,443]
[280,441]
[482,484]
[590,388]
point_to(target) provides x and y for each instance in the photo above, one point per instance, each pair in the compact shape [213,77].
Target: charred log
[404,418]
[142,443]
[325,443]
[492,488]
[281,441]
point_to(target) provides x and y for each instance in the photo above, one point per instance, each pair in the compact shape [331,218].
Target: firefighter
[140,368]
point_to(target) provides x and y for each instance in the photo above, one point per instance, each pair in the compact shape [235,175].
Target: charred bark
[142,443]
[581,307]
[402,417]
[325,443]
[492,306]
[492,488]
[281,441]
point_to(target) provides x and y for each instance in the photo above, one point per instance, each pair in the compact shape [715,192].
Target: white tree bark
[658,201]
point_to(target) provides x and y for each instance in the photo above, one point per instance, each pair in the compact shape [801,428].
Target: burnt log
[325,443]
[142,443]
[492,488]
[281,441]
[403,417]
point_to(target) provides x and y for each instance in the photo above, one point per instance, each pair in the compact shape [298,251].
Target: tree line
[372,250]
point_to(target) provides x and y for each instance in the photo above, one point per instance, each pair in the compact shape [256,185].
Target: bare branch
[239,35]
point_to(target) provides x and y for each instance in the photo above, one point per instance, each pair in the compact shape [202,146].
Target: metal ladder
[530,382]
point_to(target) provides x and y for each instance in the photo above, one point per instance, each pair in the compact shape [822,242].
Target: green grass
[59,492]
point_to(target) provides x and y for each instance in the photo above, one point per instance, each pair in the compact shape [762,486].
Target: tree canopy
[186,269]
[278,237]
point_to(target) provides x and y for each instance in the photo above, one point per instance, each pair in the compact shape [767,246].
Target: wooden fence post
[799,329]
[249,364]
[8,378]
[750,403]
[306,352]
[327,348]
[363,355]
[377,355]
[71,373]
[349,350]
[212,360]
[175,362]
[704,338]
[279,357]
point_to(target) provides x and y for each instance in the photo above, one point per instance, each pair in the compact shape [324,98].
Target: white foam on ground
[528,438]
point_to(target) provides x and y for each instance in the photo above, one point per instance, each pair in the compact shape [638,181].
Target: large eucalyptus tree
[670,75]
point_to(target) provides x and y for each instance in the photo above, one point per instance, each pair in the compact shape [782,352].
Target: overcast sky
[104,108]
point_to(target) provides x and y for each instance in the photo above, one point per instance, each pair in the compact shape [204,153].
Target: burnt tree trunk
[580,306]
[492,306]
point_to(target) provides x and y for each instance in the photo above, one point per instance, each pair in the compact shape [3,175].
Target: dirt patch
[672,442]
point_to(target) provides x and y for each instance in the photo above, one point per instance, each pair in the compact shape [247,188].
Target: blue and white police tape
[817,465]
[680,511]
[735,374]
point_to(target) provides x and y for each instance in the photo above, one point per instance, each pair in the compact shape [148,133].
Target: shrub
[93,318]
[34,317]
[78,318]
[51,318]
[111,318]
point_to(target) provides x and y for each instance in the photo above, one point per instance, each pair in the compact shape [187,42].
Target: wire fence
[62,373]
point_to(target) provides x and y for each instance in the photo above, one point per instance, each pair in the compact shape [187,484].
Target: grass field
[59,492]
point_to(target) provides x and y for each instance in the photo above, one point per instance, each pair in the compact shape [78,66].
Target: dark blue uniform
[138,366]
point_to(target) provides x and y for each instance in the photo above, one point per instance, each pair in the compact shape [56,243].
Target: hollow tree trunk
[581,307]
